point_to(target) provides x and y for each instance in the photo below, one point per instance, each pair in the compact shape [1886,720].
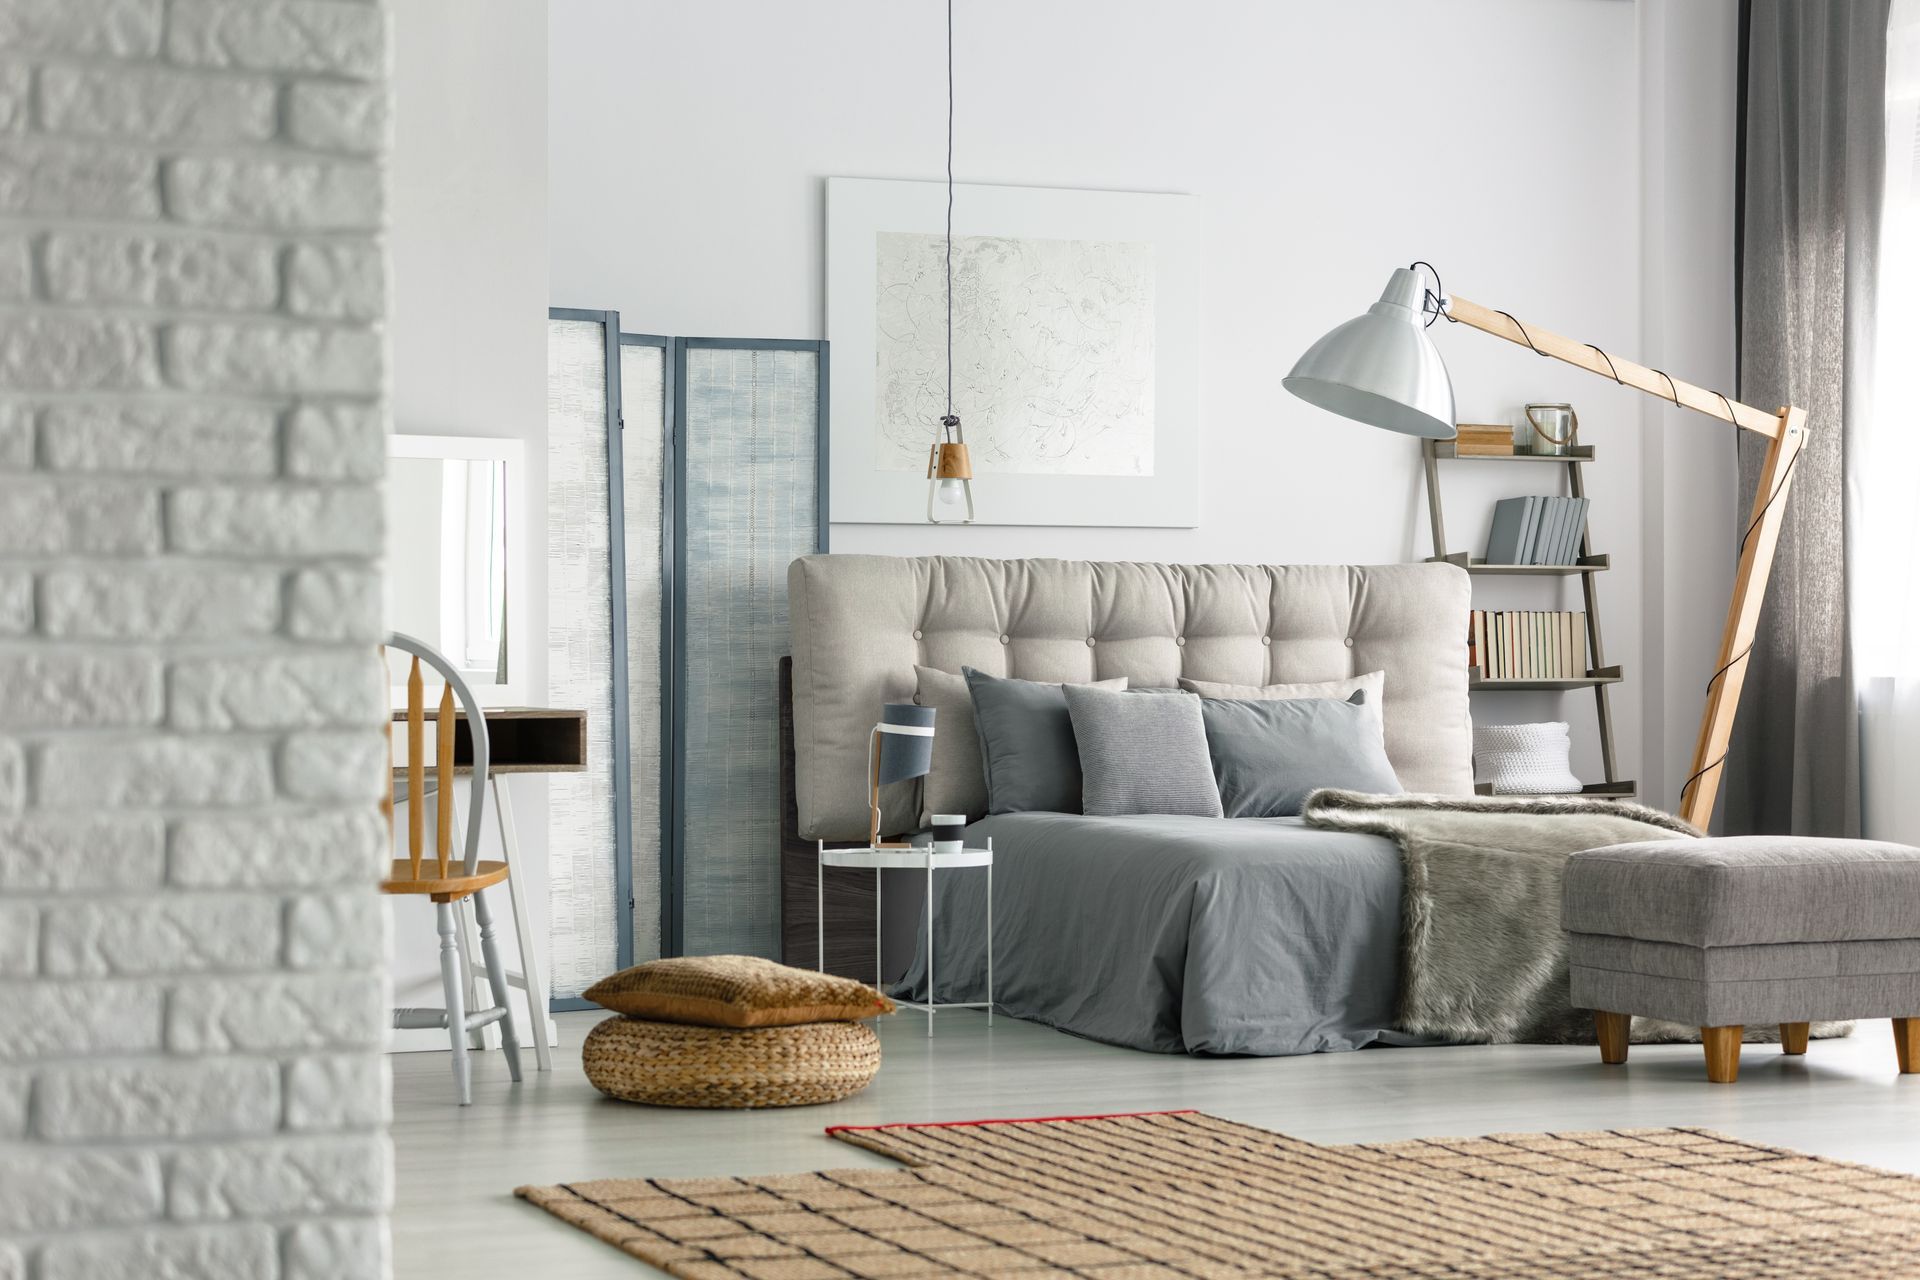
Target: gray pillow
[1142,752]
[957,783]
[1268,755]
[1027,752]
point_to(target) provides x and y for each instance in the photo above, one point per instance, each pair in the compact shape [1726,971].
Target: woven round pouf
[670,1064]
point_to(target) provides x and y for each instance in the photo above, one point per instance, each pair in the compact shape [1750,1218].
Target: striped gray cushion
[1142,752]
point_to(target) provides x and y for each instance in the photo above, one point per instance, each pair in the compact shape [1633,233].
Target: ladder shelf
[1600,676]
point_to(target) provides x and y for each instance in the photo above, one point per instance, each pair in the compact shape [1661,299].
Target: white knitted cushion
[1524,759]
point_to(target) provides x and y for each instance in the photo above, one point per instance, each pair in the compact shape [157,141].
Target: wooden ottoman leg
[1793,1037]
[1723,1053]
[1612,1029]
[1906,1043]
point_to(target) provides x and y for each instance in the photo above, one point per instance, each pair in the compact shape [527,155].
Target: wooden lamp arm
[1617,368]
[1786,429]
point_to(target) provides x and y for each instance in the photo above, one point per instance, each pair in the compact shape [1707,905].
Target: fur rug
[1482,956]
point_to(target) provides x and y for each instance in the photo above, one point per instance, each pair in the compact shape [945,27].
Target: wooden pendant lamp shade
[949,462]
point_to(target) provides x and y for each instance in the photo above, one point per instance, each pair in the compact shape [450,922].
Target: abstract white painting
[1052,352]
[1075,351]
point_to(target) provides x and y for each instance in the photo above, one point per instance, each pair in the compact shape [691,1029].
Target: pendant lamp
[949,470]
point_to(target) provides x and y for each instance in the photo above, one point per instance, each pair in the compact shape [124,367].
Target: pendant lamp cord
[949,422]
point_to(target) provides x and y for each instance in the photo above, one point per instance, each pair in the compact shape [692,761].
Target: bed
[1170,934]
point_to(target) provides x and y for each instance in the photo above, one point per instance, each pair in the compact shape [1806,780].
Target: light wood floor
[457,1167]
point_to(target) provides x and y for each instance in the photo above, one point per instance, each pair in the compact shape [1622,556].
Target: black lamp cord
[949,422]
[1434,304]
[1435,301]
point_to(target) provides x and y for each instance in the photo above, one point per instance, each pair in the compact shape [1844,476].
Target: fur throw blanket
[1482,955]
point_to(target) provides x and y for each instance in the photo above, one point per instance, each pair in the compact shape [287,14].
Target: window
[1886,462]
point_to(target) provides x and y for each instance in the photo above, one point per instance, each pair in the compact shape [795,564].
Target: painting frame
[862,491]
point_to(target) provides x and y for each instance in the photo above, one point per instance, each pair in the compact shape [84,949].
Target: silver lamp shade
[1381,368]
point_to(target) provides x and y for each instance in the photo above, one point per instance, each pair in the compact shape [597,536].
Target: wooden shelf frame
[1473,564]
[1600,676]
[1600,790]
[1592,680]
[1448,449]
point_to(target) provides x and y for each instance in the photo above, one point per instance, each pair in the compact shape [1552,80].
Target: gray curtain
[1816,103]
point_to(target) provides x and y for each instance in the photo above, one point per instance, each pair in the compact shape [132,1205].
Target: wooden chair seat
[451,887]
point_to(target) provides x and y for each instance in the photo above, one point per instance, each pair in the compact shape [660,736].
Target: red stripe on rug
[968,1124]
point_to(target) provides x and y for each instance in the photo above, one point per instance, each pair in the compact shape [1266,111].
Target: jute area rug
[1185,1194]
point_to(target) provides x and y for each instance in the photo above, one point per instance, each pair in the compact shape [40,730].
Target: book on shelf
[1536,531]
[1527,644]
[1547,537]
[1508,534]
[1577,533]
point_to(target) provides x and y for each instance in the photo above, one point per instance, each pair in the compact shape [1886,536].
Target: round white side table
[910,858]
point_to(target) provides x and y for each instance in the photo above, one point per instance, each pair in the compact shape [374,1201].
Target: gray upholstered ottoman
[1746,931]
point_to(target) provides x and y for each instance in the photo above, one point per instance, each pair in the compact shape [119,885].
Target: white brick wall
[192,421]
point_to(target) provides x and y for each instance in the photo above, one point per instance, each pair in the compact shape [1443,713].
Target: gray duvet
[1176,935]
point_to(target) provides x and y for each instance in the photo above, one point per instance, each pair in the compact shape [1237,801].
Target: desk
[519,740]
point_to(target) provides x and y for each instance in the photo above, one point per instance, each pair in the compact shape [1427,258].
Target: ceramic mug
[949,832]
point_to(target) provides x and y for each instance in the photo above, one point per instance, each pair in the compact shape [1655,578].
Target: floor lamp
[1382,369]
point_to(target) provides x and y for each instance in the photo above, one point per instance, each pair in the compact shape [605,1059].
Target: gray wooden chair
[441,877]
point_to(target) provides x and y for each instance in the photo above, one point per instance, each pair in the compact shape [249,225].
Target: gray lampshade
[1381,368]
[906,754]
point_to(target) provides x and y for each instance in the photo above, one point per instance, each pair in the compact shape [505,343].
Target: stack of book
[1481,440]
[1527,644]
[1537,530]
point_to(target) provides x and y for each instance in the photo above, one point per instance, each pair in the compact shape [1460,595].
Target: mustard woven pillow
[735,991]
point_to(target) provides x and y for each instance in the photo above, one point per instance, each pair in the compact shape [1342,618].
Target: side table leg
[931,998]
[989,936]
[879,971]
[820,908]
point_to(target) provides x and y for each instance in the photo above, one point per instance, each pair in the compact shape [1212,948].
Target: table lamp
[1382,369]
[899,748]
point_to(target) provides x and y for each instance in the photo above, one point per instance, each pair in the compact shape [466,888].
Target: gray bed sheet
[1176,934]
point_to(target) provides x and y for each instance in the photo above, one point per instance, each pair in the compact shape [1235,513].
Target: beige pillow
[957,782]
[735,991]
[1373,683]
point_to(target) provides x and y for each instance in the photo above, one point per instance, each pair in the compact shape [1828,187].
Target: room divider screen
[646,405]
[689,472]
[750,430]
[589,850]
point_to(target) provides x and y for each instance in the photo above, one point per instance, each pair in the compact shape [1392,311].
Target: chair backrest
[444,727]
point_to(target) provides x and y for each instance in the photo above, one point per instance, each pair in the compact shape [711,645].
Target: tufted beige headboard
[861,623]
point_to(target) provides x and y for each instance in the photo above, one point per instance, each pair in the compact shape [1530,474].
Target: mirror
[453,506]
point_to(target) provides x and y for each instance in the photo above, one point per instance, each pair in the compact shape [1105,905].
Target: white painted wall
[468,248]
[1689,82]
[1502,139]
